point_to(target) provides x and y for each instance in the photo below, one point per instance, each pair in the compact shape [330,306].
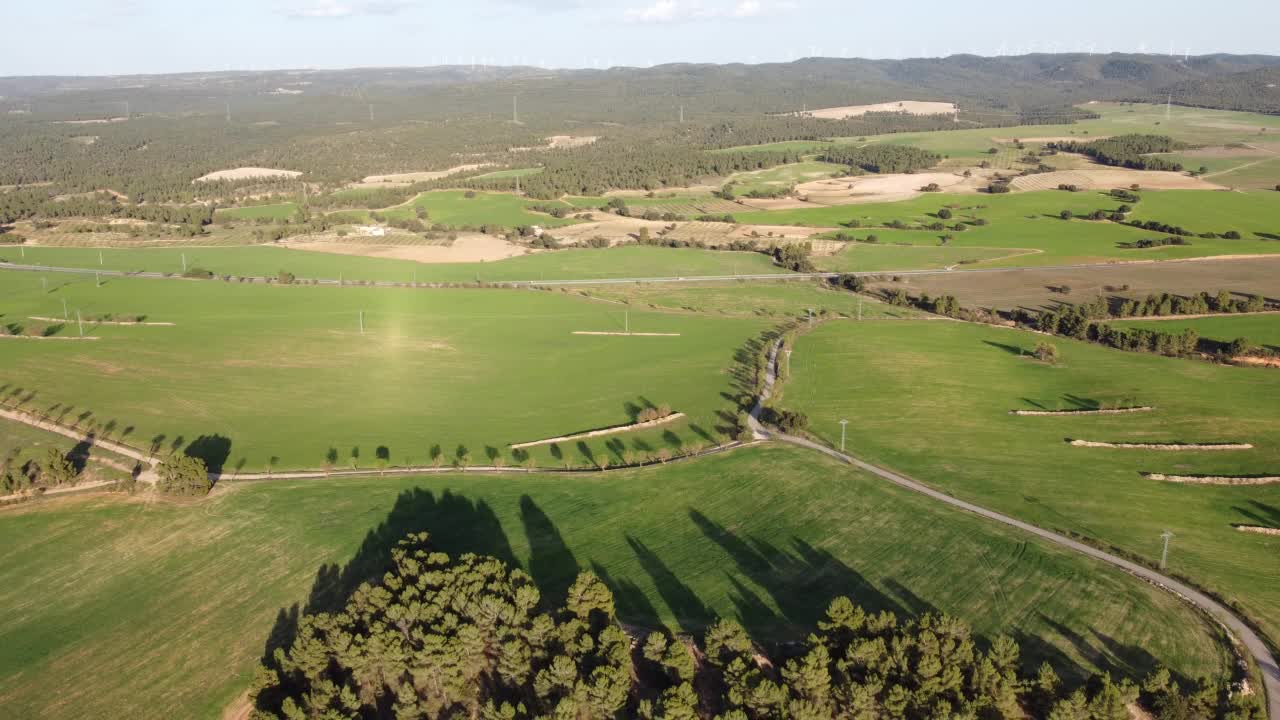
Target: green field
[282,211]
[1261,329]
[453,207]
[291,375]
[1029,221]
[265,260]
[159,610]
[513,173]
[1254,215]
[932,400]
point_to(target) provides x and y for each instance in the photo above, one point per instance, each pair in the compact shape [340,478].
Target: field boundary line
[602,431]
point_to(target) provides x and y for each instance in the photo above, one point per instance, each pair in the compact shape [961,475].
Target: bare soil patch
[911,107]
[1258,530]
[1215,479]
[557,142]
[247,173]
[886,188]
[472,247]
[409,178]
[1035,289]
[1256,361]
[1072,413]
[1102,178]
[1162,446]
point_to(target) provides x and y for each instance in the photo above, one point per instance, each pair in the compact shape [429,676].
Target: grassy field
[291,375]
[1030,221]
[1253,214]
[282,211]
[1261,329]
[783,176]
[775,299]
[453,207]
[163,609]
[265,260]
[932,400]
[513,173]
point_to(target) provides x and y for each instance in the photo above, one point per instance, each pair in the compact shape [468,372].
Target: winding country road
[1251,641]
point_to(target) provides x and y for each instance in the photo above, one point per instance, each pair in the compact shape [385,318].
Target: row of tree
[446,637]
[882,158]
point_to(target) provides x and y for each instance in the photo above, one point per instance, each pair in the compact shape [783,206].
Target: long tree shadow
[457,525]
[552,564]
[800,582]
[689,611]
[1260,514]
[1106,654]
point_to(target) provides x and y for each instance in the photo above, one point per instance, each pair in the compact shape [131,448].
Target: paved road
[609,281]
[1250,639]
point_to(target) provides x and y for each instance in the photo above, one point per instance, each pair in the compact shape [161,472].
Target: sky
[115,37]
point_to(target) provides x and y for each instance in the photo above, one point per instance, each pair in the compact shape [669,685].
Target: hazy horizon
[148,37]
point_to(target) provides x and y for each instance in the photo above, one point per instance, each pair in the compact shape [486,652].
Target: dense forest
[1251,91]
[443,637]
[882,158]
[1129,151]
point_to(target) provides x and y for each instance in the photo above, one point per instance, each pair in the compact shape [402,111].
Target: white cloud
[328,9]
[671,11]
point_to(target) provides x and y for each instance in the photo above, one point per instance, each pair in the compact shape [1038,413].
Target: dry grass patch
[248,173]
[911,107]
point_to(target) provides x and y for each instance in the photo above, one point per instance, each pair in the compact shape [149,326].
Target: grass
[775,299]
[1029,221]
[513,173]
[27,444]
[265,260]
[1251,214]
[1261,329]
[163,609]
[932,400]
[803,146]
[281,211]
[453,207]
[291,376]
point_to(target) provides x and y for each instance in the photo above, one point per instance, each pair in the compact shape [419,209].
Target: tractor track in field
[1236,626]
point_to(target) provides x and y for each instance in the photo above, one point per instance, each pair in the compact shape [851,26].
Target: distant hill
[633,95]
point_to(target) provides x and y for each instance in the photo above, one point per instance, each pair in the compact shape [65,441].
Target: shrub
[789,421]
[944,214]
[1046,352]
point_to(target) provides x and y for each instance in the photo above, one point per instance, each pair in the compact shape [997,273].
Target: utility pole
[184,263]
[517,184]
[64,309]
[80,322]
[859,309]
[843,425]
[626,320]
[1164,555]
[361,322]
[97,279]
[99,257]
[44,284]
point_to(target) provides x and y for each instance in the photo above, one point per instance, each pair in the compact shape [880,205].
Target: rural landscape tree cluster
[443,637]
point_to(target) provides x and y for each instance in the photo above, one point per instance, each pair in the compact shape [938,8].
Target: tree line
[452,637]
[882,158]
